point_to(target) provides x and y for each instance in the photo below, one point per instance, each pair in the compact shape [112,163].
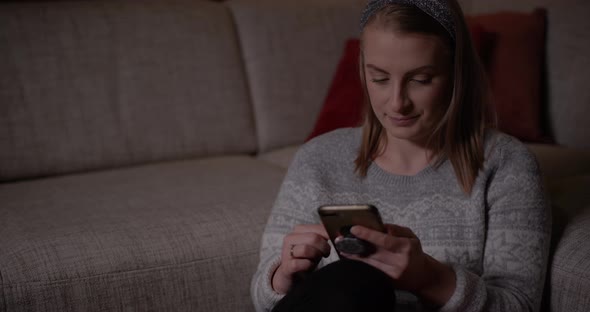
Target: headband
[437,9]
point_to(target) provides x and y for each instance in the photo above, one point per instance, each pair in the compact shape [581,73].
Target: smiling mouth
[403,121]
[404,118]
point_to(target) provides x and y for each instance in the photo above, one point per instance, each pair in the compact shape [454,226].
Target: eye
[422,80]
[379,80]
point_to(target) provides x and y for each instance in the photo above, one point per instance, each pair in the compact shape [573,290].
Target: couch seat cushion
[281,157]
[179,234]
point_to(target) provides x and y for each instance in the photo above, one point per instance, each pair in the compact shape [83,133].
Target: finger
[311,239]
[306,252]
[394,259]
[370,235]
[391,271]
[400,231]
[296,265]
[312,228]
[382,255]
[377,238]
[314,240]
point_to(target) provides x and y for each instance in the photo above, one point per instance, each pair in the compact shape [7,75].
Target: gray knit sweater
[496,238]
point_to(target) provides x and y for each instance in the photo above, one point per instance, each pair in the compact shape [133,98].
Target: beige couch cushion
[95,84]
[568,57]
[558,161]
[281,157]
[179,234]
[291,50]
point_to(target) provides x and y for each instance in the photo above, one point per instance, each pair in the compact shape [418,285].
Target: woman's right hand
[302,250]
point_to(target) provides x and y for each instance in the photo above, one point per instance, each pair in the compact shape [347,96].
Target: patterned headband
[437,9]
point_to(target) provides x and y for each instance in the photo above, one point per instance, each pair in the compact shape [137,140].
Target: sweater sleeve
[517,239]
[295,204]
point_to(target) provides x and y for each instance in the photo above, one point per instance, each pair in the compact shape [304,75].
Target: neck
[403,157]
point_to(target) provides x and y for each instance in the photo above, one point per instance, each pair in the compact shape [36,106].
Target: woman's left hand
[399,254]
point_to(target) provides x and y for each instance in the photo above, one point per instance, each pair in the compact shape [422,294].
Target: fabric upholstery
[280,157]
[343,106]
[291,51]
[568,45]
[558,161]
[97,84]
[569,279]
[569,198]
[179,234]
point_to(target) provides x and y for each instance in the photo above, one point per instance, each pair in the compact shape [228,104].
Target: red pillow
[515,70]
[511,46]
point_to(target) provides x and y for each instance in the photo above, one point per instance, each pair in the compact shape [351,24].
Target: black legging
[343,286]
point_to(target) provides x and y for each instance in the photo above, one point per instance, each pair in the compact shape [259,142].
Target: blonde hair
[459,135]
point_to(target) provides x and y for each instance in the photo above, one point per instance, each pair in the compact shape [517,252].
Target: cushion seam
[119,273]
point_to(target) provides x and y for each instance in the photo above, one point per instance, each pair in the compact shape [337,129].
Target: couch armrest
[569,272]
[558,161]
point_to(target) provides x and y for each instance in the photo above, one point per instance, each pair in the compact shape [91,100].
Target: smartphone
[338,219]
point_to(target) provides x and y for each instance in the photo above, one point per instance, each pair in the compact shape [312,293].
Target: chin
[408,134]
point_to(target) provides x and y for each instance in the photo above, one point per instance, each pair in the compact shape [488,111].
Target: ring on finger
[291,251]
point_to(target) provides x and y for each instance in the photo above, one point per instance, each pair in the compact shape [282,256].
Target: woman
[468,225]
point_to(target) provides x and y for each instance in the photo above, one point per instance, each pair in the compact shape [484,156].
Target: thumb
[399,231]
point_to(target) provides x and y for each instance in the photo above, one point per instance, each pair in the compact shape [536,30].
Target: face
[409,81]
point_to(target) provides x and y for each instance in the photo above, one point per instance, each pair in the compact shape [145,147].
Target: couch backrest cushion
[568,58]
[96,84]
[291,49]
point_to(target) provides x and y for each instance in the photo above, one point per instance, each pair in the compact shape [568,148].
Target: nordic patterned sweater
[496,239]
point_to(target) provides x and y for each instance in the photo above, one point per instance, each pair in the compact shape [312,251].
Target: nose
[398,99]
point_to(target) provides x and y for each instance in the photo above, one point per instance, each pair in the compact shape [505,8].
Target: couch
[142,144]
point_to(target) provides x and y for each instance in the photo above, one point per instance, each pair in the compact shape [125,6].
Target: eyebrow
[373,67]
